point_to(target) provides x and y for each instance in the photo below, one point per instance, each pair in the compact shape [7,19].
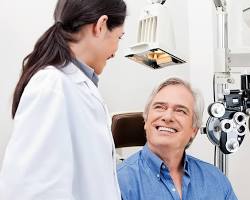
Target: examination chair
[128,130]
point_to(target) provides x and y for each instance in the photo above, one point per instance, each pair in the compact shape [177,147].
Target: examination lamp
[155,45]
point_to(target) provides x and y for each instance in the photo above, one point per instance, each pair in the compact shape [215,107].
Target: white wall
[124,85]
[201,65]
[22,22]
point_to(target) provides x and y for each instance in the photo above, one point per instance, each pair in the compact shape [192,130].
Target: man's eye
[181,111]
[158,107]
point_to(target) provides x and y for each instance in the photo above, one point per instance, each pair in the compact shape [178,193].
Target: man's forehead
[177,95]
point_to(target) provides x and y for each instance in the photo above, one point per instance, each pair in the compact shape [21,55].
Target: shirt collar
[152,159]
[88,71]
[186,165]
[156,164]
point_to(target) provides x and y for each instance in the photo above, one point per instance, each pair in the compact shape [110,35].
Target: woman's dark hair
[52,47]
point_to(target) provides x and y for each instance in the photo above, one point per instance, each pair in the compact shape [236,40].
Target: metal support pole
[220,159]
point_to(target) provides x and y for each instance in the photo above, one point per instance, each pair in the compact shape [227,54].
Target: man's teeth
[161,128]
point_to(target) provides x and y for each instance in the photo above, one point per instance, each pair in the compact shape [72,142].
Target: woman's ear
[101,26]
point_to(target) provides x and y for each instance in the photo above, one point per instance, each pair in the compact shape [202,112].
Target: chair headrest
[128,129]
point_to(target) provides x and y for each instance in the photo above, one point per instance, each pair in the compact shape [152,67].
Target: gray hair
[198,99]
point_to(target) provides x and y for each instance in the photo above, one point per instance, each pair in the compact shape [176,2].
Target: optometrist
[61,146]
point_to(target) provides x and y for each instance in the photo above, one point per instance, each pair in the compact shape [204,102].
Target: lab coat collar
[72,71]
[78,77]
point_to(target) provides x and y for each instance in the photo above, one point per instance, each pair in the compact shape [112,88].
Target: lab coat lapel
[77,76]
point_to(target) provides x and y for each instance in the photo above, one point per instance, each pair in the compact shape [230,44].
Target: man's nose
[168,115]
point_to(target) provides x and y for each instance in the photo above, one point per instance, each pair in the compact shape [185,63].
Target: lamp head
[155,58]
[155,45]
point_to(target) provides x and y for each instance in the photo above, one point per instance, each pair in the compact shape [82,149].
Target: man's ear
[195,131]
[101,26]
[145,126]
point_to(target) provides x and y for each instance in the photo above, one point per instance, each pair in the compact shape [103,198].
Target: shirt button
[163,167]
[158,175]
[173,189]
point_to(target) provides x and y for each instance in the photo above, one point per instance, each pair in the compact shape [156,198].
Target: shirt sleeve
[38,163]
[230,193]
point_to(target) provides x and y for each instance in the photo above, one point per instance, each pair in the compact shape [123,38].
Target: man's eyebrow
[177,105]
[160,102]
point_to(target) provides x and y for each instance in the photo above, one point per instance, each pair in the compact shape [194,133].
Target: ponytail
[51,49]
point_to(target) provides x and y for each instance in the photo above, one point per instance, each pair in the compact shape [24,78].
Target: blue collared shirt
[88,71]
[143,176]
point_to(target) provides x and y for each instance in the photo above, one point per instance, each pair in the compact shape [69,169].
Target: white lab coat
[61,147]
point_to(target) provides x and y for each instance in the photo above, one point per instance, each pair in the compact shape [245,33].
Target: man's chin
[160,142]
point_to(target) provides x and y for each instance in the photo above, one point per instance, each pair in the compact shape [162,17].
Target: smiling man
[162,170]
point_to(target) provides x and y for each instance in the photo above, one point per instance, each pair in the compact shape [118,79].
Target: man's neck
[174,161]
